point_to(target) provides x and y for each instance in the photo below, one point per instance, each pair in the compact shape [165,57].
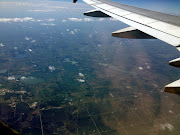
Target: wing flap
[96,13]
[132,33]
[175,62]
[167,28]
[173,87]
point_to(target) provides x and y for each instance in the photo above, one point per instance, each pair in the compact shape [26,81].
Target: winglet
[131,33]
[74,1]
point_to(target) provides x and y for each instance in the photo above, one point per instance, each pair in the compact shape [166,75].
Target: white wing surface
[144,24]
[159,25]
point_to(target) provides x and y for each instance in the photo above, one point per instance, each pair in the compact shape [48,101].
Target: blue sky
[166,6]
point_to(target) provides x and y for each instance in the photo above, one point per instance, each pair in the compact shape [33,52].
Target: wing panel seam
[138,22]
[122,6]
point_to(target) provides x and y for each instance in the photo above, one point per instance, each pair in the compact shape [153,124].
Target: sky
[165,6]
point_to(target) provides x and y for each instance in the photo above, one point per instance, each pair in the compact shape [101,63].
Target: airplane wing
[144,24]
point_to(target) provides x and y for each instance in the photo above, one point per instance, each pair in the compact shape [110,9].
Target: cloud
[113,19]
[81,19]
[50,19]
[38,20]
[24,4]
[75,19]
[76,30]
[140,68]
[27,38]
[166,125]
[170,111]
[45,20]
[88,20]
[90,36]
[48,24]
[72,32]
[148,67]
[64,20]
[52,68]
[41,10]
[58,7]
[101,19]
[40,6]
[25,19]
[1,45]
[23,78]
[81,80]
[11,78]
[81,74]
[33,41]
[30,50]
